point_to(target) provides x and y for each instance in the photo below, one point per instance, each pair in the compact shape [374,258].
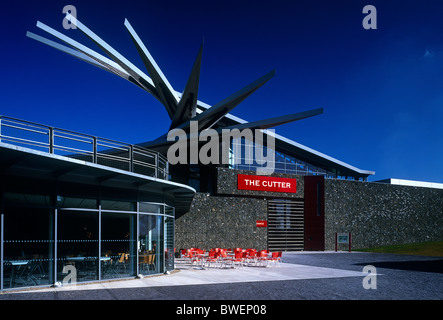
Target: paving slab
[183,276]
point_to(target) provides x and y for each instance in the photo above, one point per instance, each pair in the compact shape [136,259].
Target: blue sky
[381,89]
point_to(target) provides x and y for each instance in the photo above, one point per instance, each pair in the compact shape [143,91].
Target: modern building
[76,207]
[73,208]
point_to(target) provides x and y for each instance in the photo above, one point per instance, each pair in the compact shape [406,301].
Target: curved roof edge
[314,155]
[22,161]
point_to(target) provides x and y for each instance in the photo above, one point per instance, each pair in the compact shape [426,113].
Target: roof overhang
[25,162]
[299,151]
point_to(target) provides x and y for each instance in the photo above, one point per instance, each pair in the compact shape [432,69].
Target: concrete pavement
[302,276]
[185,276]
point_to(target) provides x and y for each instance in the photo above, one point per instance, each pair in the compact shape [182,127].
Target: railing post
[131,158]
[94,149]
[0,128]
[51,140]
[156,165]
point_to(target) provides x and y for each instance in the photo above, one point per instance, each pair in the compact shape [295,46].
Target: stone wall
[222,222]
[227,219]
[375,213]
[382,214]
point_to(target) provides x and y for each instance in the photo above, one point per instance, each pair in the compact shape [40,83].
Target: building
[74,210]
[81,208]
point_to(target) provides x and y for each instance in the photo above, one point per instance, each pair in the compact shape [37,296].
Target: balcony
[83,147]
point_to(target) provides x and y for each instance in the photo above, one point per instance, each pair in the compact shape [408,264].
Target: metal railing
[84,147]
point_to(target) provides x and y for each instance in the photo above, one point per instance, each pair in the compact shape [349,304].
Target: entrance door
[150,244]
[314,213]
[286,225]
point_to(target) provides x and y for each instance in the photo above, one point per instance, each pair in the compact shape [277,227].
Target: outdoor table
[18,262]
[202,257]
[83,258]
[17,270]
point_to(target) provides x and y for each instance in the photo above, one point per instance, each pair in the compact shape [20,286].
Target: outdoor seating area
[227,258]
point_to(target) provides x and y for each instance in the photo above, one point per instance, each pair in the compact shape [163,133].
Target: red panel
[264,183]
[314,213]
[262,223]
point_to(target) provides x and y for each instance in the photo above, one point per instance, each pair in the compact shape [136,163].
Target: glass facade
[53,238]
[242,157]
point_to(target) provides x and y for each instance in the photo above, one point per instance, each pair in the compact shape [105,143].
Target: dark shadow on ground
[435,266]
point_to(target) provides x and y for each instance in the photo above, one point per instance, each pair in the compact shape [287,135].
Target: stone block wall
[227,219]
[222,222]
[375,213]
[380,214]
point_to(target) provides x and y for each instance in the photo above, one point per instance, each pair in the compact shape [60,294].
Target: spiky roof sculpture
[181,107]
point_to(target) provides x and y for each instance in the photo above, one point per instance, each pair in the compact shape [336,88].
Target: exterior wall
[382,214]
[375,213]
[222,222]
[227,219]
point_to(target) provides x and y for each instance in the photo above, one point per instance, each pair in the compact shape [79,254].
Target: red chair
[251,256]
[238,259]
[262,257]
[195,259]
[275,257]
[224,259]
[212,258]
[184,255]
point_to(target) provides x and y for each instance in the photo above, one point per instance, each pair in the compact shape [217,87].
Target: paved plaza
[301,276]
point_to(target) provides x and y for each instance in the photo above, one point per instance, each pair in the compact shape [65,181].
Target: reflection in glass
[150,244]
[69,202]
[77,244]
[118,245]
[117,205]
[150,207]
[27,247]
[169,243]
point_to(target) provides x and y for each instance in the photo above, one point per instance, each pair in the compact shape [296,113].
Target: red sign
[262,223]
[264,183]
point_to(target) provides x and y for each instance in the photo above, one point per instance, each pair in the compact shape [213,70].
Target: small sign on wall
[343,238]
[262,223]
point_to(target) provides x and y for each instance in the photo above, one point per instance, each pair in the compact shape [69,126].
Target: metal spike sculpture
[181,107]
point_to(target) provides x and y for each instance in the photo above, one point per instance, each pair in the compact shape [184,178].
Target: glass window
[1,239]
[27,199]
[170,211]
[82,203]
[169,243]
[28,246]
[118,245]
[150,207]
[150,244]
[77,245]
[117,205]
